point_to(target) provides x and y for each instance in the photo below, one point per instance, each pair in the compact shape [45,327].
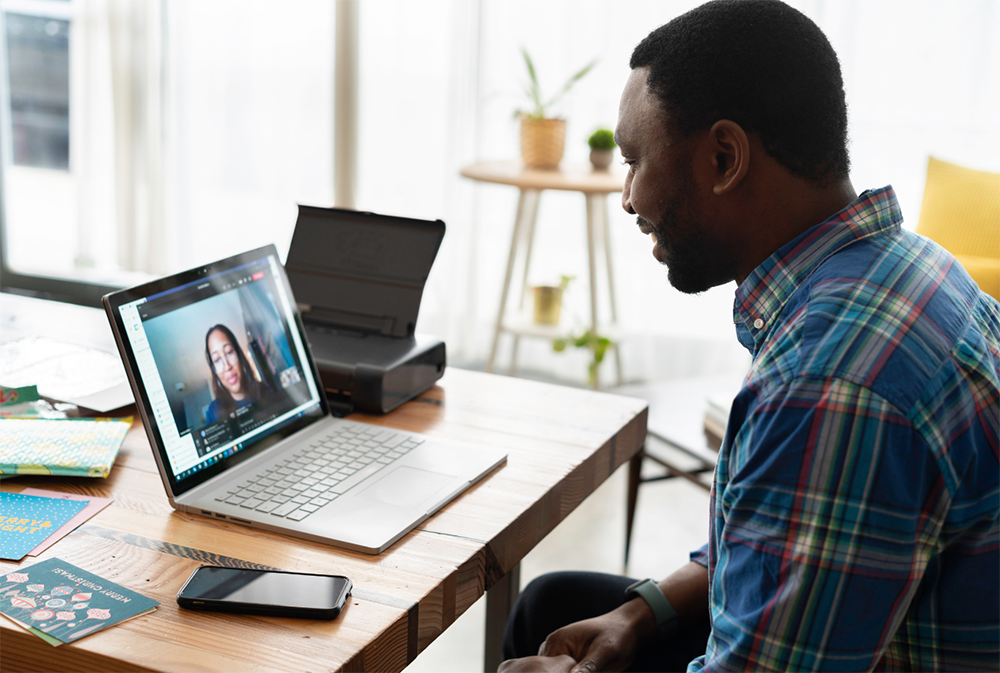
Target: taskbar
[236,448]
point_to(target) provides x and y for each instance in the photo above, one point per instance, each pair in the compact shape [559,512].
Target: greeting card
[56,599]
[27,520]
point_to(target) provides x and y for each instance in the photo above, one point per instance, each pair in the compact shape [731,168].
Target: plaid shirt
[855,510]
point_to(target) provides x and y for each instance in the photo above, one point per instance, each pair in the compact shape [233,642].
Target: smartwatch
[663,611]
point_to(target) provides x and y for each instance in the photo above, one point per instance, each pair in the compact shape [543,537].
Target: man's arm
[610,642]
[827,512]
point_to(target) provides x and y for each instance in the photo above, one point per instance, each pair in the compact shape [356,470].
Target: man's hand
[560,664]
[605,643]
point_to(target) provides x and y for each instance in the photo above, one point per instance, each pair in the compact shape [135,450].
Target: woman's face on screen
[226,363]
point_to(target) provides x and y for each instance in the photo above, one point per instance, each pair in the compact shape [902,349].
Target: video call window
[223,353]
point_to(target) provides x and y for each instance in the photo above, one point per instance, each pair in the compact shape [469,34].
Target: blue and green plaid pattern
[855,509]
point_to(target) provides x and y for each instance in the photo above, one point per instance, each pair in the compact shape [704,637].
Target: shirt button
[758,323]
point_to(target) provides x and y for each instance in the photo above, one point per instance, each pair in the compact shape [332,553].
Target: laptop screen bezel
[113,302]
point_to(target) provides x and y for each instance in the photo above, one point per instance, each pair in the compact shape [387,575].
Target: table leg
[527,209]
[592,234]
[500,601]
[606,229]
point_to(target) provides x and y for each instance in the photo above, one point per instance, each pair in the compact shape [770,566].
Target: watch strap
[647,590]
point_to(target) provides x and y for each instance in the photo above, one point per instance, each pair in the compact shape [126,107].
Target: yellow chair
[961,212]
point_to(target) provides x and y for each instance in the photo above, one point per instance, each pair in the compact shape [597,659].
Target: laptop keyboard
[299,485]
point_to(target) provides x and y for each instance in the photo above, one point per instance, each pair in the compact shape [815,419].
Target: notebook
[230,398]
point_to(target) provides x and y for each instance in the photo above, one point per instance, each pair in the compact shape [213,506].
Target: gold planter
[542,142]
[548,303]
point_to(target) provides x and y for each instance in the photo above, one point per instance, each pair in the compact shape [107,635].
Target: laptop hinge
[339,403]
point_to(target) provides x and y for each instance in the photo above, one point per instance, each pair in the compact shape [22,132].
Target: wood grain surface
[562,443]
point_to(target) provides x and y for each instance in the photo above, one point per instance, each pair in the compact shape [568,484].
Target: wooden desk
[562,444]
[595,186]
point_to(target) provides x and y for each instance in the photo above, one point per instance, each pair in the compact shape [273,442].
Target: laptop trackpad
[406,487]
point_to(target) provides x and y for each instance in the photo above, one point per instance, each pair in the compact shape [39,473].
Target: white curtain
[249,123]
[116,149]
[441,79]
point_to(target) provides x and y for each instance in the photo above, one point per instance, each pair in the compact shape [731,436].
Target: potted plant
[548,301]
[602,145]
[598,346]
[543,138]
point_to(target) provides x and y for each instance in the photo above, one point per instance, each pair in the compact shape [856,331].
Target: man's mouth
[644,225]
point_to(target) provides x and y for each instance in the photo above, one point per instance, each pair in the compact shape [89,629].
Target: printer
[358,278]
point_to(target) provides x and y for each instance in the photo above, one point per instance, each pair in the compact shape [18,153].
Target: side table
[595,186]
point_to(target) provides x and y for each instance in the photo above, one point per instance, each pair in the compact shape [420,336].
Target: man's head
[728,81]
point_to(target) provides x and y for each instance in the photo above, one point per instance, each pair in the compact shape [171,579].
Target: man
[854,516]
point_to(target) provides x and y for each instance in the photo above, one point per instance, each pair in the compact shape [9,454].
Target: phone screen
[262,587]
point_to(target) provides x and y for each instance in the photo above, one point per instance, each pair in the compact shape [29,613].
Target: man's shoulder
[886,314]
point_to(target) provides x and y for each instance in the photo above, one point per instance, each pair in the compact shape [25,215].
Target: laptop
[239,424]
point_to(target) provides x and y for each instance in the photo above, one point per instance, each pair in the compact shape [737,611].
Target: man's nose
[627,194]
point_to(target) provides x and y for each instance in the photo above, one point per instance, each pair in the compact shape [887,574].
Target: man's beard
[685,253]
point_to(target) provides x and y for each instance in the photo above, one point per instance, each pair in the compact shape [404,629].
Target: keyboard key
[268,506]
[251,503]
[394,441]
[309,508]
[234,499]
[285,509]
[301,499]
[298,515]
[356,478]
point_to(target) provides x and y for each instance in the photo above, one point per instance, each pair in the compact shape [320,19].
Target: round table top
[569,177]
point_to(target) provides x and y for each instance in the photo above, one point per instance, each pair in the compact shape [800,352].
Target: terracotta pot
[601,159]
[548,303]
[542,142]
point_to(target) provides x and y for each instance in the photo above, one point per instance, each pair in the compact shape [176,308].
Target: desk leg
[606,229]
[524,225]
[500,601]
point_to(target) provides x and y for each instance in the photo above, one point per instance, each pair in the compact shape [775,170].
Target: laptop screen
[222,362]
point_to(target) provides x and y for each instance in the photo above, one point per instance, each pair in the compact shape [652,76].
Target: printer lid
[361,271]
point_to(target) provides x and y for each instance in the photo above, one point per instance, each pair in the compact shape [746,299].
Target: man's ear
[730,149]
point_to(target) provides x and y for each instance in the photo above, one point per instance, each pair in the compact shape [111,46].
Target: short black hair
[759,63]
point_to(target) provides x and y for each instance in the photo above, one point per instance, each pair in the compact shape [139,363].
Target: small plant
[539,106]
[597,344]
[602,139]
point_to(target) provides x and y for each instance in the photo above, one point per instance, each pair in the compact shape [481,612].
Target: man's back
[862,471]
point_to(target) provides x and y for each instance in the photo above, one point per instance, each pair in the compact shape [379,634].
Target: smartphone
[265,592]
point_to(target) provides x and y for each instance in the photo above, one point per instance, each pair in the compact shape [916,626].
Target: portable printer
[358,279]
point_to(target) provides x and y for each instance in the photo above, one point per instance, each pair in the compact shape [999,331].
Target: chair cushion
[961,211]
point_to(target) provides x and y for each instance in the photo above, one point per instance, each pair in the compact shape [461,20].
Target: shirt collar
[764,293]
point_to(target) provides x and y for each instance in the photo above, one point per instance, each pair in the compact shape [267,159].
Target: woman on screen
[233,382]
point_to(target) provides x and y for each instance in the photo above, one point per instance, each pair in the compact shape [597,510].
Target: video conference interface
[220,365]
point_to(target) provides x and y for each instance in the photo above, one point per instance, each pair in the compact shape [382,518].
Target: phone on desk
[265,592]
